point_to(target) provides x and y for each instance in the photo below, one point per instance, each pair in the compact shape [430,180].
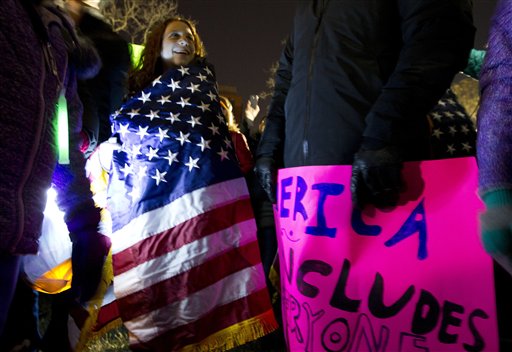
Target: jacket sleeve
[494,138]
[437,36]
[272,141]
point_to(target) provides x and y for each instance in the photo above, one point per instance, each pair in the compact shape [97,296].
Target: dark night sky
[243,37]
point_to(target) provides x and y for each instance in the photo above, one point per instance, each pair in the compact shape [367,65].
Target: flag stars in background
[126,170]
[192,163]
[162,134]
[184,102]
[157,81]
[193,87]
[453,133]
[212,96]
[174,117]
[183,138]
[204,107]
[133,113]
[136,150]
[153,114]
[227,142]
[124,129]
[214,129]
[194,121]
[204,144]
[153,152]
[201,77]
[159,176]
[437,133]
[143,132]
[145,97]
[164,99]
[171,157]
[174,85]
[223,154]
[184,70]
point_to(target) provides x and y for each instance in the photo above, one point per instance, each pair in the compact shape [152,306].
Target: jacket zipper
[305,142]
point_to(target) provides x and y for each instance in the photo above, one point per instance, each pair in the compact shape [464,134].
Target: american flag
[453,133]
[187,268]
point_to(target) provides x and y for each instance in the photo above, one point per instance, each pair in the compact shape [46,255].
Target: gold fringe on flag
[237,335]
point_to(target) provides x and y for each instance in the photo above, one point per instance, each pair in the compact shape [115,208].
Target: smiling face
[178,47]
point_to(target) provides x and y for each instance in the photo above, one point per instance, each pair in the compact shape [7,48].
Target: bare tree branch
[133,17]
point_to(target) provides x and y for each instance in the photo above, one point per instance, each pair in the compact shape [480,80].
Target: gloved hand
[89,251]
[496,227]
[266,172]
[376,177]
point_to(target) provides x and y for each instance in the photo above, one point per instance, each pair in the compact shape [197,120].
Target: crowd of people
[190,194]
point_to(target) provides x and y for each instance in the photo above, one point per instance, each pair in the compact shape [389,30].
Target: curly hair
[150,64]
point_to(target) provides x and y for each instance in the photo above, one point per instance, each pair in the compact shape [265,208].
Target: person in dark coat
[41,59]
[104,93]
[355,82]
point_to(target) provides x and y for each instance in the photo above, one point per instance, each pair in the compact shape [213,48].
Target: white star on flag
[183,138]
[450,149]
[227,142]
[192,163]
[436,116]
[464,129]
[164,99]
[174,85]
[212,96]
[116,113]
[123,129]
[193,88]
[173,117]
[437,133]
[205,144]
[143,131]
[145,97]
[142,171]
[194,121]
[162,134]
[207,69]
[183,70]
[466,147]
[157,81]
[184,102]
[449,114]
[159,176]
[223,154]
[126,170]
[221,118]
[201,77]
[452,130]
[171,157]
[204,107]
[215,129]
[136,150]
[152,153]
[133,113]
[153,114]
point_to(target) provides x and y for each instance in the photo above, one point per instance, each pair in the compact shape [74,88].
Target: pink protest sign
[411,278]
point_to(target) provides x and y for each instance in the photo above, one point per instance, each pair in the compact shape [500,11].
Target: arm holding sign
[494,146]
[437,38]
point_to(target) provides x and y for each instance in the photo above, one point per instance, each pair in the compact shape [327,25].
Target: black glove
[90,249]
[266,173]
[376,177]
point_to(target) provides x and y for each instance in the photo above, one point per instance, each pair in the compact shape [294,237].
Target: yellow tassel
[94,305]
[237,335]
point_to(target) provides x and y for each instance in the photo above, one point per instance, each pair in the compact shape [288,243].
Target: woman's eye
[174,35]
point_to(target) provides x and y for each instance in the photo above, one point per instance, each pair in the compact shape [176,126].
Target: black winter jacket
[354,70]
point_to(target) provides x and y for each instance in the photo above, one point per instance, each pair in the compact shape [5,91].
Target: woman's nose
[183,42]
